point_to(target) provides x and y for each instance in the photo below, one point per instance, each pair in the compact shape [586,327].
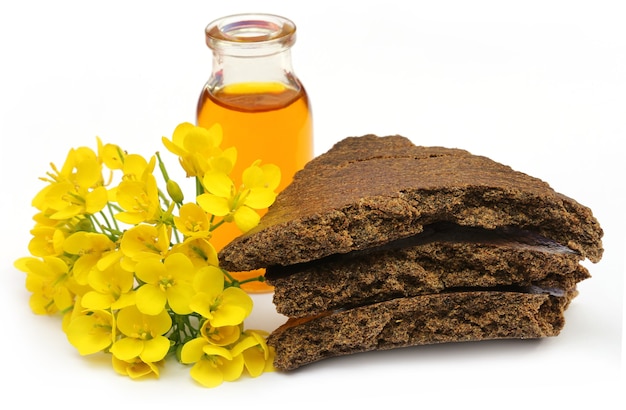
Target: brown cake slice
[443,258]
[367,191]
[381,244]
[419,320]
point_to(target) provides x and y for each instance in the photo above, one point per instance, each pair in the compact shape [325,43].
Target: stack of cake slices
[380,244]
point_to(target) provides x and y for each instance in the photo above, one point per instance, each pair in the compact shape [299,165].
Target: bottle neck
[235,69]
[251,48]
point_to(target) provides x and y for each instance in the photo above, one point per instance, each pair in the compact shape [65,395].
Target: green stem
[106,220]
[228,276]
[166,177]
[112,232]
[256,279]
[97,227]
[199,187]
[164,198]
[175,232]
[217,225]
[112,207]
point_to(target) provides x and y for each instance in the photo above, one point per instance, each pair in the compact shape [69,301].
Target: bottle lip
[250,31]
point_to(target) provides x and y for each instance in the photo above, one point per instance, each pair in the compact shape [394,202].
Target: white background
[538,85]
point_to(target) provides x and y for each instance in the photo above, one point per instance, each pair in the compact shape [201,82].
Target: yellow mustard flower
[91,331]
[108,259]
[137,168]
[222,307]
[78,188]
[193,221]
[212,365]
[143,335]
[220,336]
[47,280]
[112,289]
[64,200]
[135,368]
[42,220]
[90,247]
[200,251]
[168,282]
[154,286]
[258,356]
[81,165]
[144,241]
[46,241]
[140,201]
[66,226]
[111,155]
[195,146]
[224,162]
[257,192]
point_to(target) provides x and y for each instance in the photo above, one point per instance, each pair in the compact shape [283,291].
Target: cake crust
[333,206]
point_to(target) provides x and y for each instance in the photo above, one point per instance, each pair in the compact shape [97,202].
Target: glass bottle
[262,107]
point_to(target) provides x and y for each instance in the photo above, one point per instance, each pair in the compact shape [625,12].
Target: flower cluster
[131,267]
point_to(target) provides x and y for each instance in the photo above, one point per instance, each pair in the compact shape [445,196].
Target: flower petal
[96,200]
[155,349]
[222,336]
[232,369]
[260,198]
[218,183]
[235,306]
[179,298]
[266,176]
[125,300]
[127,319]
[88,172]
[272,176]
[254,360]
[96,301]
[252,176]
[224,163]
[209,280]
[212,204]
[90,333]
[127,348]
[180,133]
[112,155]
[159,324]
[134,368]
[179,266]
[192,350]
[205,373]
[246,218]
[150,299]
[150,270]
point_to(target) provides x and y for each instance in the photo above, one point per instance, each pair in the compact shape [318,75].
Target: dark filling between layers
[445,232]
[445,258]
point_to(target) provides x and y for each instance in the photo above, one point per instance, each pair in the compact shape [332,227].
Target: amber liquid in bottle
[266,121]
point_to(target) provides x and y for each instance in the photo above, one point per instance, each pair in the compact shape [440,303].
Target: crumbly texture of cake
[443,259]
[367,191]
[350,249]
[420,320]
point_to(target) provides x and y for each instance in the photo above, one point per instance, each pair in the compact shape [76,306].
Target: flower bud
[174,191]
